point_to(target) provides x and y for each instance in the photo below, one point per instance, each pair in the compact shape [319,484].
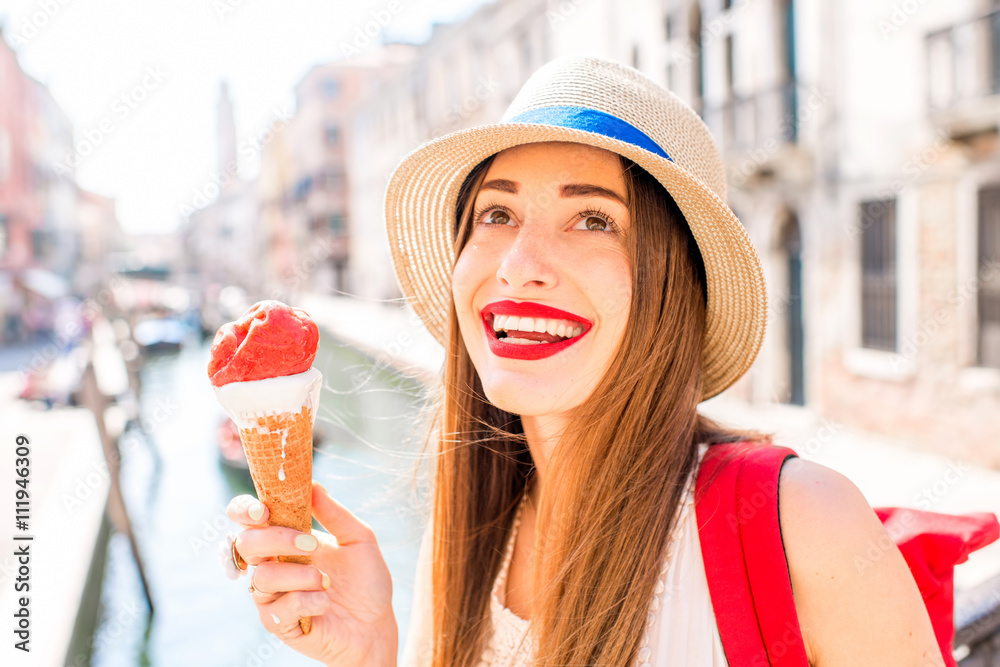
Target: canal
[176,492]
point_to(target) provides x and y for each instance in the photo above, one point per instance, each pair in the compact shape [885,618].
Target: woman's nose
[527,261]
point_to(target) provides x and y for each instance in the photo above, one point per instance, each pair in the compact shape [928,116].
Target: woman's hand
[347,589]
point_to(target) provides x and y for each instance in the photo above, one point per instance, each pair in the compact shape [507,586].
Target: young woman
[591,287]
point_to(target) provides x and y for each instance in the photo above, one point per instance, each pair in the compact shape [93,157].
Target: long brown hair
[604,520]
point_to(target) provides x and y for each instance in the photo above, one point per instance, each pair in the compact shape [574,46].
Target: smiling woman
[562,230]
[590,286]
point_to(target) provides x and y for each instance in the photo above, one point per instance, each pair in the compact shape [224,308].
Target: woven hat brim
[420,205]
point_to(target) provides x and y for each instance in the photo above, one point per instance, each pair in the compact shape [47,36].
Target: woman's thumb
[336,518]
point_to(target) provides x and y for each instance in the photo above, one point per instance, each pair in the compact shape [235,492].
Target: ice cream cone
[275,418]
[279,453]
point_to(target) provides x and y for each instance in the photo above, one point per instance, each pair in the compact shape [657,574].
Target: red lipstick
[527,309]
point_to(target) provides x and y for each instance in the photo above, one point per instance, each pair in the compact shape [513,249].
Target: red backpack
[737,505]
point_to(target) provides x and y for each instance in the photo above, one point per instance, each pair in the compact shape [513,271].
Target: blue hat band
[591,120]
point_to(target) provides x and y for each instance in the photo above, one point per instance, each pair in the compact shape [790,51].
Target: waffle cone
[279,450]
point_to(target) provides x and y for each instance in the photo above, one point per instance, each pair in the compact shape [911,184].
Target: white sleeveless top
[681,630]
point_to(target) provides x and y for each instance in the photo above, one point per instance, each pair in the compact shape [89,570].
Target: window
[526,54]
[336,223]
[332,134]
[332,179]
[329,87]
[302,187]
[697,65]
[39,244]
[668,36]
[730,67]
[787,53]
[878,275]
[730,109]
[340,275]
[994,41]
[789,69]
[988,345]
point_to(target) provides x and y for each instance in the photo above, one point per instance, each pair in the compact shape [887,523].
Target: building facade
[464,75]
[40,241]
[860,140]
[922,268]
[861,145]
[305,207]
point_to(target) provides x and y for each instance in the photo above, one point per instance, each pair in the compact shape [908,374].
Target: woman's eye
[497,218]
[595,224]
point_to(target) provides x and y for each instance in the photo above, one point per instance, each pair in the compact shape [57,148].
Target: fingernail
[275,618]
[326,581]
[306,542]
[256,511]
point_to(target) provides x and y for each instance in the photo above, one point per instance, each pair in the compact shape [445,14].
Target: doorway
[791,245]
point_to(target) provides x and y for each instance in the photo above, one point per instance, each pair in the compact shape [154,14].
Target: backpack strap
[737,510]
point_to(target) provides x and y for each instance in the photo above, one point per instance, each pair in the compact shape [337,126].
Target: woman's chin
[521,399]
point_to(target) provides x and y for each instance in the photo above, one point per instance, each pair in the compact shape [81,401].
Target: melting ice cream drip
[247,402]
[284,441]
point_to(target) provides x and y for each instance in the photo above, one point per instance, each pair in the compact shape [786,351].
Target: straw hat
[611,106]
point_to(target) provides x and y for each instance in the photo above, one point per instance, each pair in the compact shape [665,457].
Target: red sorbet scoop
[270,340]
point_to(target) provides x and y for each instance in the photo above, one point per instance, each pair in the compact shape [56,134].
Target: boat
[157,335]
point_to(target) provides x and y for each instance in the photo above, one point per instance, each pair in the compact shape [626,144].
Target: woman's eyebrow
[569,190]
[501,184]
[588,190]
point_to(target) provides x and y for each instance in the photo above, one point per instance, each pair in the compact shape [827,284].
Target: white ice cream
[245,401]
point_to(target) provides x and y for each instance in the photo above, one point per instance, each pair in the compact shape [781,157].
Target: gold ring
[252,589]
[238,560]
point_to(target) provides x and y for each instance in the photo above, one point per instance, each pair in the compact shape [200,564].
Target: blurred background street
[164,167]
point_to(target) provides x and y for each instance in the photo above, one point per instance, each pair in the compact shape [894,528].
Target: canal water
[176,492]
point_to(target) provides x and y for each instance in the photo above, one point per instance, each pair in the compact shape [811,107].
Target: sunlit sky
[162,149]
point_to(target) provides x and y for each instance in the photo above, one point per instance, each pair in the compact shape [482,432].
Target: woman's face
[542,287]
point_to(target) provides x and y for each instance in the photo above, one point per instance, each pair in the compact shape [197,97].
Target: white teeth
[565,328]
[522,341]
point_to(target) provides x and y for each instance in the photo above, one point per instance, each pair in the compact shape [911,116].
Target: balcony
[745,123]
[963,67]
[760,134]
